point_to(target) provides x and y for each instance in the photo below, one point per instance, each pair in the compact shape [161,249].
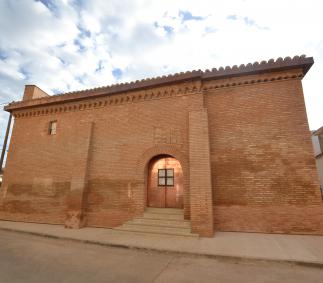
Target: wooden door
[165,183]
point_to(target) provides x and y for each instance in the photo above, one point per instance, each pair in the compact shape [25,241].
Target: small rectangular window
[166,177]
[52,127]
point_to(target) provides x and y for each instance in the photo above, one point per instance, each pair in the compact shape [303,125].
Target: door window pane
[161,182]
[161,172]
[170,181]
[170,172]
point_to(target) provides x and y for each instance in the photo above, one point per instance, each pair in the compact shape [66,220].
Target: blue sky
[64,45]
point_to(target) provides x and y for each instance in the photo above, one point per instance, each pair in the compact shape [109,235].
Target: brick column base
[74,219]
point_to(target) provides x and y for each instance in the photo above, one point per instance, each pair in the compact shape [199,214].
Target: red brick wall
[37,178]
[263,169]
[123,131]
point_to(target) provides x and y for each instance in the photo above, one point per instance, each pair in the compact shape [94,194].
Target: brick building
[229,146]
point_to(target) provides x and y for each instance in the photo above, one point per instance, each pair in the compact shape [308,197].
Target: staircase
[169,221]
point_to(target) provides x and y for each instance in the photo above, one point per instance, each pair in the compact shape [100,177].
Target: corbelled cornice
[288,63]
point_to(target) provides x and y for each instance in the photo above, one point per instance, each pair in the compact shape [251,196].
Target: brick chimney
[33,92]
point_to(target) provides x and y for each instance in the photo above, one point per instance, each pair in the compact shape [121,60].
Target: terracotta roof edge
[223,72]
[264,66]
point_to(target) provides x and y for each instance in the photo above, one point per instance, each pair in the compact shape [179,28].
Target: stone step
[165,210]
[161,222]
[156,230]
[169,221]
[163,216]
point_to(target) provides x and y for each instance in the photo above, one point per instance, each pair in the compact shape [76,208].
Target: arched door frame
[175,152]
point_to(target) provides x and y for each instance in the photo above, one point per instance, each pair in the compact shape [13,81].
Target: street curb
[178,253]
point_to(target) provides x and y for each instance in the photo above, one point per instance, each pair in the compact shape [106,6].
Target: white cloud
[67,45]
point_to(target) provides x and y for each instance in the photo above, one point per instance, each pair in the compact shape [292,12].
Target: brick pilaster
[76,198]
[200,174]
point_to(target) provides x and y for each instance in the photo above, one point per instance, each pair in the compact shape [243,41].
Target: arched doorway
[165,182]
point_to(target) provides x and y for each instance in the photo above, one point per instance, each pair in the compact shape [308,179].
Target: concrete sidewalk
[301,249]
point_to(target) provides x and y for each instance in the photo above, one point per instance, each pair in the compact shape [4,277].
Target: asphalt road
[28,258]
